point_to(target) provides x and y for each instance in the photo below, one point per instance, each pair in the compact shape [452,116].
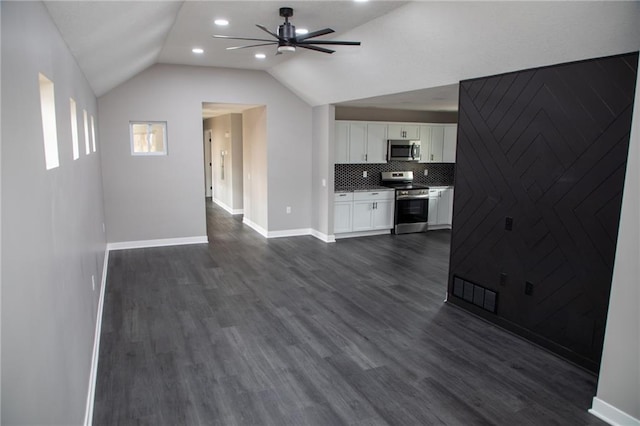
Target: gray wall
[322,169]
[161,197]
[52,237]
[619,380]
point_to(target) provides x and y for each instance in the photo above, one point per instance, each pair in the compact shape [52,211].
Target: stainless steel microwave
[403,150]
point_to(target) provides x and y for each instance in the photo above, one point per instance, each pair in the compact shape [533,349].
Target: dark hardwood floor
[293,331]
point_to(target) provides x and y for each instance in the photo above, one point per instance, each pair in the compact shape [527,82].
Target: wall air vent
[475,294]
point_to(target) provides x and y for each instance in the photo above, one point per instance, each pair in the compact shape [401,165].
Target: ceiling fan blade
[329,42]
[314,34]
[263,28]
[240,38]
[252,45]
[316,48]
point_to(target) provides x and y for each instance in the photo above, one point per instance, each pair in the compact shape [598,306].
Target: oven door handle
[413,197]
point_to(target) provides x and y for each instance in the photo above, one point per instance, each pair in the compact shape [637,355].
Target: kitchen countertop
[362,188]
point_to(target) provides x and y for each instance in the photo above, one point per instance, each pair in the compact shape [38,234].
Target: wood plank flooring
[293,331]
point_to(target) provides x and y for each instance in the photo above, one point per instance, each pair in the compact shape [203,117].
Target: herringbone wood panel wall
[548,148]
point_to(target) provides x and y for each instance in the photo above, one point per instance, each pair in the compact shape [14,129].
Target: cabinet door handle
[431,157]
[366,156]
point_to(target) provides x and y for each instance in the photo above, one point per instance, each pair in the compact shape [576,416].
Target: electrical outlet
[528,288]
[288,209]
[324,182]
[426,172]
[364,173]
[508,223]
[503,279]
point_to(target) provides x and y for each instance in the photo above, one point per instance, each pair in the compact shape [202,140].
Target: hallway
[253,331]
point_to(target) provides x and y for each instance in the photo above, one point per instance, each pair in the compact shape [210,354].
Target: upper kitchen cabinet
[360,142]
[438,143]
[404,131]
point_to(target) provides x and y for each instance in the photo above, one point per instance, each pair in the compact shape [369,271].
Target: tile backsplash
[349,175]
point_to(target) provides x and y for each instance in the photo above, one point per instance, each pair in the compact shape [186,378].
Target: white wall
[254,153]
[619,380]
[227,139]
[161,197]
[52,238]
[429,44]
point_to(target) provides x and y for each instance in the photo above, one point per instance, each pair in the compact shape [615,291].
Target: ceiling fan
[287,39]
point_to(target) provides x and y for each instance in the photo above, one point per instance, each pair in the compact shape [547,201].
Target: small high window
[74,129]
[87,147]
[49,128]
[93,134]
[148,138]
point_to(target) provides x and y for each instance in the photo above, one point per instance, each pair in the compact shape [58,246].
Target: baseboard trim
[158,243]
[289,233]
[323,237]
[93,374]
[259,229]
[610,414]
[362,234]
[227,208]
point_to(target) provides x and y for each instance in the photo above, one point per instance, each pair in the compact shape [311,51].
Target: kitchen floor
[293,331]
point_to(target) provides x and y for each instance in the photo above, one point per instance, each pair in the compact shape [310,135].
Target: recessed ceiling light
[302,31]
[260,55]
[221,22]
[361,1]
[197,50]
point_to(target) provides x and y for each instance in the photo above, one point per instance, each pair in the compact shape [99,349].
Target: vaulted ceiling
[114,40]
[412,54]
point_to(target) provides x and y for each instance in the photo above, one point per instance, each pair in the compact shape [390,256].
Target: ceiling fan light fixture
[286,49]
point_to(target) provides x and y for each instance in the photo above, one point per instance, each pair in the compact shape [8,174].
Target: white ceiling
[115,40]
[406,46]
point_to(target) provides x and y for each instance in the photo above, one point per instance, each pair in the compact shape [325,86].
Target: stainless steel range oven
[412,202]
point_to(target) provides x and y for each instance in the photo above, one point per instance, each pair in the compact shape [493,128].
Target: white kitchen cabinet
[373,210]
[359,142]
[342,142]
[434,197]
[445,207]
[376,142]
[440,208]
[438,143]
[343,212]
[369,211]
[449,144]
[404,131]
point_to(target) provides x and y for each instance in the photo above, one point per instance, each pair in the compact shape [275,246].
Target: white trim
[259,229]
[93,374]
[323,237]
[227,208]
[289,233]
[158,243]
[362,234]
[612,415]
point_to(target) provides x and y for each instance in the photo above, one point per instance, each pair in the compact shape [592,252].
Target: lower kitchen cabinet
[440,207]
[369,211]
